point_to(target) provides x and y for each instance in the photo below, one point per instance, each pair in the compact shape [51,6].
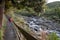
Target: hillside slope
[54,4]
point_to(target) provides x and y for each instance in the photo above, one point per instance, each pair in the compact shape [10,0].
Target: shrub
[53,36]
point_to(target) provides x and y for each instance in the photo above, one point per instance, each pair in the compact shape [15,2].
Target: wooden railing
[26,35]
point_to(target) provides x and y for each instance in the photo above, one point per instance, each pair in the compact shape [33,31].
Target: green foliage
[53,13]
[53,36]
[1,34]
[8,4]
[24,12]
[36,5]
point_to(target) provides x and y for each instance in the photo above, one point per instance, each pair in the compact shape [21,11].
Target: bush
[53,36]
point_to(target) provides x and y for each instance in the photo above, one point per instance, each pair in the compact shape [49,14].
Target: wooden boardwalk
[10,33]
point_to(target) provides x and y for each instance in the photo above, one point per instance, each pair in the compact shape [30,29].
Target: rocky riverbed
[37,24]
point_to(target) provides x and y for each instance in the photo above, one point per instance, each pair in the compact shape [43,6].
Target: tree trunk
[1,14]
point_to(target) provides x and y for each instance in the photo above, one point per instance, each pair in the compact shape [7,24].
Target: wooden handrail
[25,34]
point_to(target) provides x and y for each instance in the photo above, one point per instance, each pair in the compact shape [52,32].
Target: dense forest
[54,4]
[53,11]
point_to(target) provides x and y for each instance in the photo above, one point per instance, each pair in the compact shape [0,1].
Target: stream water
[38,24]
